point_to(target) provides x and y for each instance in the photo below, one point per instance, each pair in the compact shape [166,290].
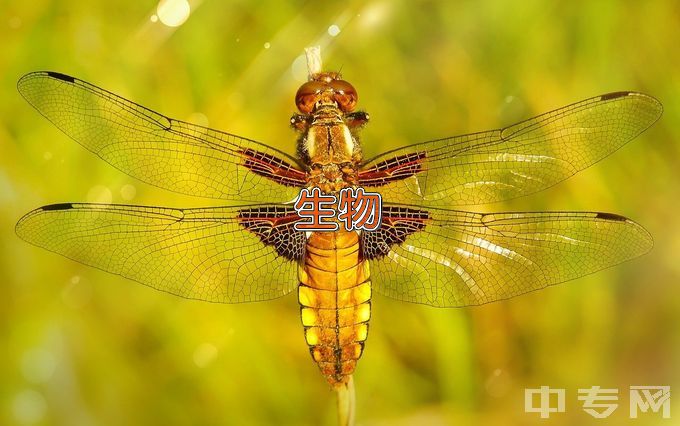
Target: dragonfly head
[326,88]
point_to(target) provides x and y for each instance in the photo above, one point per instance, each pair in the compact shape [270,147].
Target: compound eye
[307,95]
[344,94]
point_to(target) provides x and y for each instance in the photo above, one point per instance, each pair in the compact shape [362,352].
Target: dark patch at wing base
[393,169]
[274,226]
[397,224]
[273,168]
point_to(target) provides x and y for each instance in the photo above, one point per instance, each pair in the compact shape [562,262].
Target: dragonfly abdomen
[334,295]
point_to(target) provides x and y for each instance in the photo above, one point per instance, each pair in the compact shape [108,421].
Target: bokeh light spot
[128,192]
[76,293]
[99,194]
[199,118]
[173,13]
[333,30]
[374,14]
[29,407]
[498,383]
[38,365]
[267,45]
[204,354]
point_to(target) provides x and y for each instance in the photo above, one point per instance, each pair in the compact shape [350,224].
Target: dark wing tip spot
[614,95]
[60,206]
[61,76]
[611,216]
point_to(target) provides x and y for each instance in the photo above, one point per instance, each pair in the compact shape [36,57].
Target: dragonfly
[424,251]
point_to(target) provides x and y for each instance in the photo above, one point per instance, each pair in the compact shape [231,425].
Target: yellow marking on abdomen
[334,294]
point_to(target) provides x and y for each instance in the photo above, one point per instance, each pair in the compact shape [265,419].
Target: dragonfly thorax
[328,124]
[332,154]
[333,177]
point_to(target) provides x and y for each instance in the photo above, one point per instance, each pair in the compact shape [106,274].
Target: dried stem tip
[314,65]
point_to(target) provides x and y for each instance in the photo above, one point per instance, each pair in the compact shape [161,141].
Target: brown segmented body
[334,295]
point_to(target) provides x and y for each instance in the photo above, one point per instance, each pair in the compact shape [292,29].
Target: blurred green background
[81,347]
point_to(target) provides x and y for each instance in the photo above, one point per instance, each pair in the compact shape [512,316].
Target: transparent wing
[162,151]
[225,255]
[514,161]
[449,258]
